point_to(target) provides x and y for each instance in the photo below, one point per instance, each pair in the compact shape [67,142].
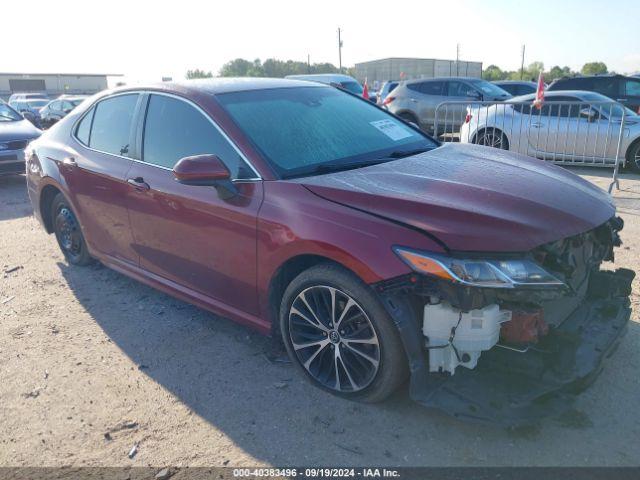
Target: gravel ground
[93,363]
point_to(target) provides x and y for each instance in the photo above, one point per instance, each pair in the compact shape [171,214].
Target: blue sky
[147,40]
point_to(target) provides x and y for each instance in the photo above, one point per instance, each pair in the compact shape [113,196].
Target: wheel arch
[47,194]
[484,128]
[627,154]
[283,276]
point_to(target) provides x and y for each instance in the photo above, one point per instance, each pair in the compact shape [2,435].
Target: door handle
[69,162]
[138,183]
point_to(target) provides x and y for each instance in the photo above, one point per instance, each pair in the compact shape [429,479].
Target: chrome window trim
[177,97]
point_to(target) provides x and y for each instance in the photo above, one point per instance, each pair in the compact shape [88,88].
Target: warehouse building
[54,84]
[409,68]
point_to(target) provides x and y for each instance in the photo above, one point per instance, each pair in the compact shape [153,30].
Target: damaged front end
[512,338]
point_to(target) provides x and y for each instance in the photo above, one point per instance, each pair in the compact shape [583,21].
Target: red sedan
[375,252]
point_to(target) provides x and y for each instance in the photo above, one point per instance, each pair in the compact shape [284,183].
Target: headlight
[490,273]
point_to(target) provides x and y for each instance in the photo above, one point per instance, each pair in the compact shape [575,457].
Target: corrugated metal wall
[391,68]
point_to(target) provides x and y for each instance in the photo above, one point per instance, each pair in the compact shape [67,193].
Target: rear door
[187,234]
[454,113]
[427,96]
[96,171]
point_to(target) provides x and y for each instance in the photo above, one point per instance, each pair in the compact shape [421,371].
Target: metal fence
[563,132]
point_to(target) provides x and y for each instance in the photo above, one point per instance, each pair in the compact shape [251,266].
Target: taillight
[388,100]
[467,118]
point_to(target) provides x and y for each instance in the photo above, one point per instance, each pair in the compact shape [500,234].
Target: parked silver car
[387,87]
[15,134]
[416,100]
[583,131]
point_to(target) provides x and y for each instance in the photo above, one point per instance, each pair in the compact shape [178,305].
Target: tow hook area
[518,386]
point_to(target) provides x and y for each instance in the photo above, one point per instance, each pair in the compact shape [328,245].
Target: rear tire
[68,234]
[633,157]
[338,334]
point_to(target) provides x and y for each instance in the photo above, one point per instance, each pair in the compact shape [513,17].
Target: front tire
[68,234]
[339,335]
[633,157]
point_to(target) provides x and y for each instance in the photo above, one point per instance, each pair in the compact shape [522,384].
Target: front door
[188,234]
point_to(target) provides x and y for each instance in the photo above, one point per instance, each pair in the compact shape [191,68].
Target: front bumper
[518,388]
[11,162]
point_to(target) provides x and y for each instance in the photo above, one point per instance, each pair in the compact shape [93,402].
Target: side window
[459,89]
[632,88]
[66,106]
[111,127]
[428,88]
[55,106]
[174,129]
[83,129]
[606,86]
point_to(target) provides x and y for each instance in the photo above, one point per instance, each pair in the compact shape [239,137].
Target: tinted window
[54,106]
[84,127]
[522,89]
[607,86]
[461,89]
[352,87]
[632,88]
[310,130]
[427,88]
[111,128]
[175,129]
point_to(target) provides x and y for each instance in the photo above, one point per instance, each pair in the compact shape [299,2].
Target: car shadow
[14,200]
[234,379]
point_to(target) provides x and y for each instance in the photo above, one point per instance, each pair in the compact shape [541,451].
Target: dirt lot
[92,363]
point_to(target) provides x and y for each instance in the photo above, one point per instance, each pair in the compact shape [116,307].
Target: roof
[514,82]
[221,85]
[327,76]
[417,80]
[560,93]
[62,74]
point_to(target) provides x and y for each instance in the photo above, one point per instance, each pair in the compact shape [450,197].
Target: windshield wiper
[405,153]
[340,167]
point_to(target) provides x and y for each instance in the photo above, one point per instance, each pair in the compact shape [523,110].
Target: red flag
[365,90]
[539,100]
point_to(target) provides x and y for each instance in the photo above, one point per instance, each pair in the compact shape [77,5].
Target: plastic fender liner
[403,315]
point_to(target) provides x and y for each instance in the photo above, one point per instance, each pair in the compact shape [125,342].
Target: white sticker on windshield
[392,129]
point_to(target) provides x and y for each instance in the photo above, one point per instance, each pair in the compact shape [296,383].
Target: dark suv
[620,88]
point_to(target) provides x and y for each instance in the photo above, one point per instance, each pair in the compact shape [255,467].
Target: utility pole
[339,51]
[522,64]
[457,59]
[308,63]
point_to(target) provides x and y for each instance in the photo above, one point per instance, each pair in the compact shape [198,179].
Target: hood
[473,198]
[20,130]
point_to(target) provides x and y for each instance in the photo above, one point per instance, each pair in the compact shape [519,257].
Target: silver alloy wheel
[333,339]
[492,139]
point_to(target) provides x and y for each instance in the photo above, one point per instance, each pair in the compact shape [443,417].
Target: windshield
[489,88]
[8,114]
[613,110]
[353,87]
[308,130]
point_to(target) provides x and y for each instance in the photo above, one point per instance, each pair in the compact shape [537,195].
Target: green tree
[493,72]
[197,73]
[594,68]
[272,67]
[557,72]
[235,68]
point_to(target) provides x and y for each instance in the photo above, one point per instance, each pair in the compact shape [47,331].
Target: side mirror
[205,170]
[589,113]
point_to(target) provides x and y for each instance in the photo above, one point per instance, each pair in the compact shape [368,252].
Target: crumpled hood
[473,198]
[21,130]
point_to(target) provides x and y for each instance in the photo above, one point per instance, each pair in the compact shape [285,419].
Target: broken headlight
[488,273]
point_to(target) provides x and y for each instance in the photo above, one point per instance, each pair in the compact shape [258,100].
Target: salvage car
[15,133]
[375,252]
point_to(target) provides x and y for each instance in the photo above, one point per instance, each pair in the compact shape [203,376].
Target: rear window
[300,129]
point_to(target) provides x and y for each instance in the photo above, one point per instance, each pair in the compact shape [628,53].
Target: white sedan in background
[585,130]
